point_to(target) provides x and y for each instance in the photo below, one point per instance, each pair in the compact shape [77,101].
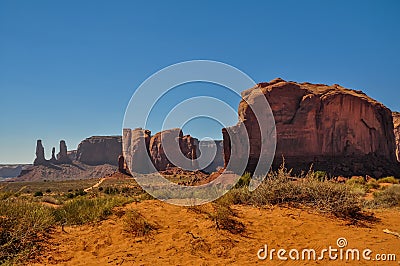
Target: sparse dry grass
[137,225]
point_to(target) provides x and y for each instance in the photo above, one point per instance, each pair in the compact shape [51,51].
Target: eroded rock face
[171,140]
[135,147]
[396,122]
[99,150]
[146,154]
[40,159]
[341,131]
[62,156]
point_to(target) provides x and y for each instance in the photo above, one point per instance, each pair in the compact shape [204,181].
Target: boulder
[98,150]
[333,128]
[396,122]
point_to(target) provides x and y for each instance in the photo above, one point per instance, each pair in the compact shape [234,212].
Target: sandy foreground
[185,237]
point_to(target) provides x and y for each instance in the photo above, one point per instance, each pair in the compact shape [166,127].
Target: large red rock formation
[62,156]
[145,153]
[99,150]
[135,148]
[173,140]
[339,130]
[40,159]
[396,122]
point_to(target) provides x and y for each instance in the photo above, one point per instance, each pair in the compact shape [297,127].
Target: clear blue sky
[69,68]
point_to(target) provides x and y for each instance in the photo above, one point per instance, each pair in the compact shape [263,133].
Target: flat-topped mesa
[396,123]
[338,130]
[98,150]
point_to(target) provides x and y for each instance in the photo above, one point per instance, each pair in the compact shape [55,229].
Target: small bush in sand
[389,197]
[136,224]
[224,217]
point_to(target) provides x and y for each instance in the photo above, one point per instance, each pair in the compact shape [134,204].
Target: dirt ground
[185,237]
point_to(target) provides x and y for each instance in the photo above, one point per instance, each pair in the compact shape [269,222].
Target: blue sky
[69,68]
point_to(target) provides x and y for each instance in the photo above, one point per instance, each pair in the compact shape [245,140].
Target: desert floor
[187,237]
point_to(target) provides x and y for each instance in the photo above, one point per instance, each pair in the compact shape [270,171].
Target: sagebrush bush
[136,224]
[386,198]
[313,191]
[23,227]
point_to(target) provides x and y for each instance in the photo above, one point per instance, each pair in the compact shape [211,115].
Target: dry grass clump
[387,198]
[136,224]
[83,210]
[225,218]
[23,227]
[322,195]
[389,179]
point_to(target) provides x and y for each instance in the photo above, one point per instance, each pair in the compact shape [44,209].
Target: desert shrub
[38,194]
[136,224]
[372,184]
[320,175]
[111,190]
[83,210]
[387,198]
[23,228]
[225,218]
[6,195]
[280,188]
[80,192]
[389,179]
[51,200]
[244,180]
[48,190]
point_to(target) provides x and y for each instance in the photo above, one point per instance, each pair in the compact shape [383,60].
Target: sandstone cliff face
[135,147]
[99,150]
[145,153]
[396,122]
[341,131]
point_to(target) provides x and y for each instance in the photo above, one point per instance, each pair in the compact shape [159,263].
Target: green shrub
[387,198]
[83,210]
[244,181]
[24,226]
[38,194]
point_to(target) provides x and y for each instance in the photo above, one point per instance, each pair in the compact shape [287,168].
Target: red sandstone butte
[396,122]
[338,130]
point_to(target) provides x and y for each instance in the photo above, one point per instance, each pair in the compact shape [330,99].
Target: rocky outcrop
[99,150]
[40,159]
[62,156]
[341,131]
[53,159]
[145,153]
[171,140]
[396,122]
[136,149]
